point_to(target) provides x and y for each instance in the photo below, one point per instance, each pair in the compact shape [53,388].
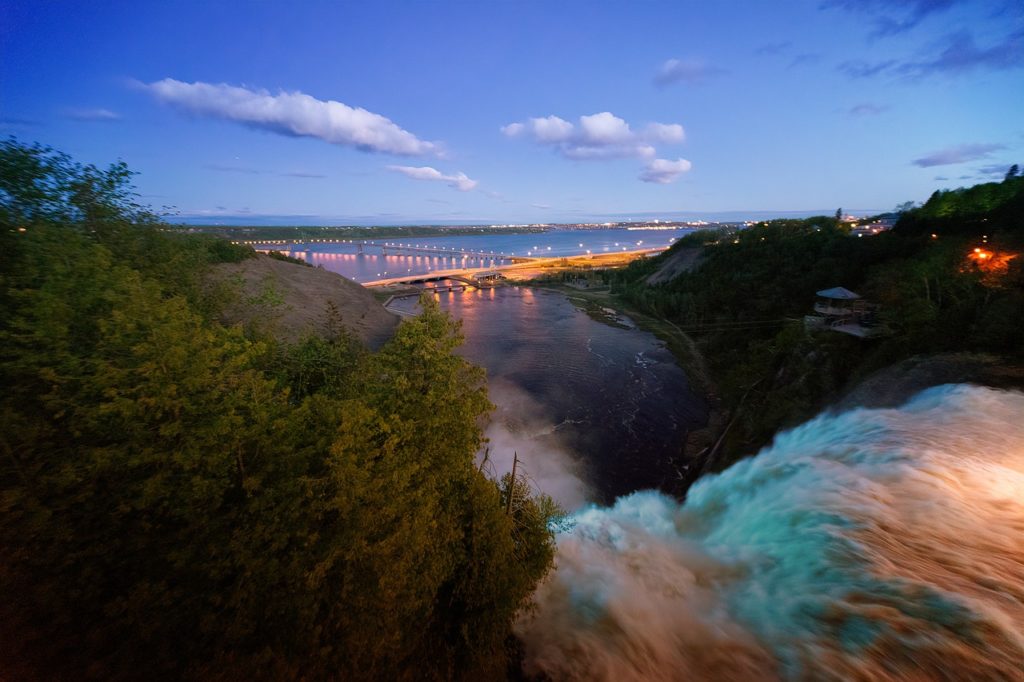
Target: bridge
[385,247]
[464,275]
[518,265]
[479,278]
[456,283]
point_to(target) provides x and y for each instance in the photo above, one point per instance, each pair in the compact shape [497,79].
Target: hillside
[291,300]
[899,382]
[184,499]
[948,279]
[680,261]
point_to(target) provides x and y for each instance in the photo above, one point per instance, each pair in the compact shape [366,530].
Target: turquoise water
[865,545]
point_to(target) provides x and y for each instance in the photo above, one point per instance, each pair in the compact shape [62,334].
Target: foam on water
[872,544]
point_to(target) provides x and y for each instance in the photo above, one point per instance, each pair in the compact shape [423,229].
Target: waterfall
[870,544]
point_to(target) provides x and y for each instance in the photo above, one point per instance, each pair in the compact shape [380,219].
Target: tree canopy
[745,301]
[181,499]
[977,210]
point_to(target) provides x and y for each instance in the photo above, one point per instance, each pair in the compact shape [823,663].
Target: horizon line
[293,220]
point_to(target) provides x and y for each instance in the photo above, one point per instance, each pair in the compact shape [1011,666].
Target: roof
[838,293]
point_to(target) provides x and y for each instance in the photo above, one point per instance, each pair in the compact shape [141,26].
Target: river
[370,264]
[593,410]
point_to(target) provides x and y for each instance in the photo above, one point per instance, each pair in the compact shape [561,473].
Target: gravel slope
[292,300]
[682,261]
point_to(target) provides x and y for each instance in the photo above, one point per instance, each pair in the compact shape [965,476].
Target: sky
[267,112]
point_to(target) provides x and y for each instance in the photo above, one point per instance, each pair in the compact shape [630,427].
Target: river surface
[594,411]
[370,264]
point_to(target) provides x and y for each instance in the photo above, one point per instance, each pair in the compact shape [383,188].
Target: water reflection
[612,398]
[368,262]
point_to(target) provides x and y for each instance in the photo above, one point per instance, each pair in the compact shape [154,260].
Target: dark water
[370,264]
[610,401]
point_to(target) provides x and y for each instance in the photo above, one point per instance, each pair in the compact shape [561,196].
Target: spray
[520,427]
[871,544]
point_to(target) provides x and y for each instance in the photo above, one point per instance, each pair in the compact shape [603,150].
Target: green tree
[179,499]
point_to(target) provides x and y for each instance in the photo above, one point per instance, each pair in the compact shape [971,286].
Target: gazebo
[841,310]
[838,302]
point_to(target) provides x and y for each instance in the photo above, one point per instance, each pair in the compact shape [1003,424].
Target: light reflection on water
[347,260]
[613,398]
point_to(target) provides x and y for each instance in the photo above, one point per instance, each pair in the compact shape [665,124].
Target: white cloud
[605,128]
[513,129]
[596,137]
[604,136]
[671,133]
[550,129]
[663,171]
[459,181]
[293,113]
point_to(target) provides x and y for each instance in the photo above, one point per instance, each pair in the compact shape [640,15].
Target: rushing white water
[872,544]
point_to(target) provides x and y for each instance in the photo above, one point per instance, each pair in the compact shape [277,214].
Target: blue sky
[435,112]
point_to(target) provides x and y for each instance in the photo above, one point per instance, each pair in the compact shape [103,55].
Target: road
[530,268]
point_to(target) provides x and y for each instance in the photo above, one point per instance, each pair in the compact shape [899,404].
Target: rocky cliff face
[894,385]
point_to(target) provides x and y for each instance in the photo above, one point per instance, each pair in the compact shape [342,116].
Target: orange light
[993,265]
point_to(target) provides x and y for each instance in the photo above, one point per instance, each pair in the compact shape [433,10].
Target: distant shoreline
[528,268]
[258,233]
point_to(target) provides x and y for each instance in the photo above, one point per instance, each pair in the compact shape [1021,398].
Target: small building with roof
[840,310]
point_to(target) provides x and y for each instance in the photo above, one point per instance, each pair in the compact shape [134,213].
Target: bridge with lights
[385,247]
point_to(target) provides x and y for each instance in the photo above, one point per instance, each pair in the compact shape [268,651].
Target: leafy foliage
[977,210]
[746,300]
[180,499]
[277,255]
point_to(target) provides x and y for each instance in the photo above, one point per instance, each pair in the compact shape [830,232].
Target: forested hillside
[948,277]
[183,499]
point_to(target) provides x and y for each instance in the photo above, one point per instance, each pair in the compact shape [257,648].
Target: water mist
[872,544]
